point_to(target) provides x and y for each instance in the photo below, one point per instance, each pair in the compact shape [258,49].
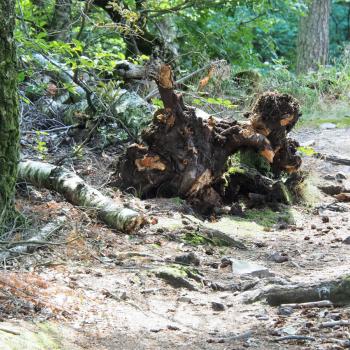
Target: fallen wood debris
[310,305]
[295,337]
[186,155]
[77,192]
[333,159]
[331,324]
[17,248]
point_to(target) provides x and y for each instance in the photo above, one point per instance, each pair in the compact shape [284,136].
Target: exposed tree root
[76,191]
[186,155]
[337,291]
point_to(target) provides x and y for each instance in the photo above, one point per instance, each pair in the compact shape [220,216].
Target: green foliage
[306,151]
[40,144]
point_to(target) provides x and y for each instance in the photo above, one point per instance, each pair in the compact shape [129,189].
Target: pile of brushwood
[204,159]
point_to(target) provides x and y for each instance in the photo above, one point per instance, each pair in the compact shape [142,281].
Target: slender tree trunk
[313,39]
[59,27]
[9,123]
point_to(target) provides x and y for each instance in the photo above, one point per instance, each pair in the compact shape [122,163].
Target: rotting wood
[78,192]
[185,155]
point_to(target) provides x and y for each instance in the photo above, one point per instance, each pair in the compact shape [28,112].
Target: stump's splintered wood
[76,191]
[185,155]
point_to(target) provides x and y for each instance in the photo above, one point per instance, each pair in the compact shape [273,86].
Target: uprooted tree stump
[184,154]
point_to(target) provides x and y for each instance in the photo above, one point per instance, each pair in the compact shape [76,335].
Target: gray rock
[285,310]
[340,176]
[346,240]
[328,126]
[217,306]
[278,257]
[188,259]
[243,267]
[185,299]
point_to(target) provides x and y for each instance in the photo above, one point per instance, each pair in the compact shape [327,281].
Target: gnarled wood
[185,155]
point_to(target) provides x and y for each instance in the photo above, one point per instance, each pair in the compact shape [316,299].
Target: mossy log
[184,154]
[78,192]
[337,291]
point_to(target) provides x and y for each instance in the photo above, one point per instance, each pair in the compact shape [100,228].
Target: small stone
[326,126]
[285,310]
[346,240]
[260,244]
[217,306]
[124,296]
[306,238]
[340,176]
[209,251]
[282,226]
[160,230]
[185,222]
[173,328]
[278,257]
[313,227]
[185,299]
[188,259]
[329,177]
[325,219]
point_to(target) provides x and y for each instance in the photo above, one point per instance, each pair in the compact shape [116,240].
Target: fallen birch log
[77,192]
[42,235]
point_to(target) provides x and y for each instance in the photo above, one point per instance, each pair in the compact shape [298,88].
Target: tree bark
[59,27]
[76,191]
[313,38]
[9,123]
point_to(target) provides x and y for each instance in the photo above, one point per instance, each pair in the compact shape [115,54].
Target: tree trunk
[76,191]
[313,39]
[9,123]
[59,28]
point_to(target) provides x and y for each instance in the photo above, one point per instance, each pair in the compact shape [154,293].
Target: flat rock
[244,267]
[328,126]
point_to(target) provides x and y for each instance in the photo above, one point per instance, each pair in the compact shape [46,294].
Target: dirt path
[115,293]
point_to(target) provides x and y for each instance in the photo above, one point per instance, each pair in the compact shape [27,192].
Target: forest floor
[104,290]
